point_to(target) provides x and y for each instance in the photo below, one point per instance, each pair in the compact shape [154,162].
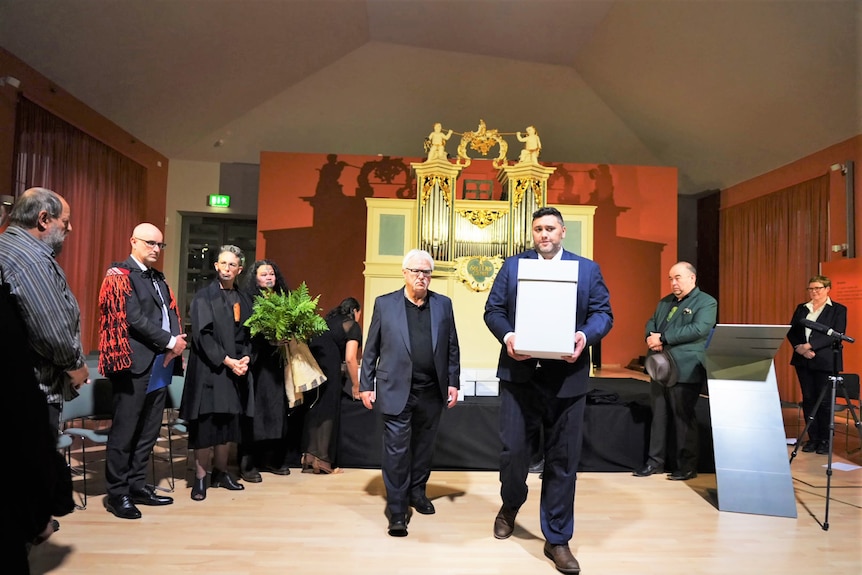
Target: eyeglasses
[153,243]
[415,272]
[816,288]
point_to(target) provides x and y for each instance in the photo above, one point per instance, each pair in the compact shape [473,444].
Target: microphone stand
[834,380]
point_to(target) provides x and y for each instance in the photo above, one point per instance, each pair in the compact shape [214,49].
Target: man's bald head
[147,244]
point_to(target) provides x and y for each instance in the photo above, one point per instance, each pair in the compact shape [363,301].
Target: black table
[616,431]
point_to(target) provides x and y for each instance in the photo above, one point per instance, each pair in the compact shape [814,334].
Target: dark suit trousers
[673,415]
[812,383]
[408,445]
[523,407]
[134,431]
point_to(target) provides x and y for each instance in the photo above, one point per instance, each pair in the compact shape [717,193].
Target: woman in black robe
[264,436]
[216,379]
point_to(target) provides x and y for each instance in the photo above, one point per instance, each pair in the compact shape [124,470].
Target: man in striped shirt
[38,226]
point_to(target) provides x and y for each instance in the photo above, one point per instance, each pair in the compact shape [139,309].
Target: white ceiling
[723,90]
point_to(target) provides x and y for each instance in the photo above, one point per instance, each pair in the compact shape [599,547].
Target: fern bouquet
[280,317]
[289,320]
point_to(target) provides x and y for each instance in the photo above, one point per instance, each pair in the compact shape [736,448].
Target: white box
[487,387]
[546,308]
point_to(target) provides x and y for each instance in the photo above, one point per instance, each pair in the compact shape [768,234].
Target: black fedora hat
[661,367]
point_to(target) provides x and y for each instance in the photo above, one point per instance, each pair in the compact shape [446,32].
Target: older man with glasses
[411,368]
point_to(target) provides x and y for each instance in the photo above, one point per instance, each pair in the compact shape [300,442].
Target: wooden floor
[308,524]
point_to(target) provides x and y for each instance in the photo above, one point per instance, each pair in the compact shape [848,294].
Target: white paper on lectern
[546,308]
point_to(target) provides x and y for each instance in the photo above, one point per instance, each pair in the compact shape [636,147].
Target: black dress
[320,437]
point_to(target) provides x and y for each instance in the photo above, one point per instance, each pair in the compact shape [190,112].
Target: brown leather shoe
[504,523]
[562,557]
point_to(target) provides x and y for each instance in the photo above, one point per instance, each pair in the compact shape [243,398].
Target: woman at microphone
[813,356]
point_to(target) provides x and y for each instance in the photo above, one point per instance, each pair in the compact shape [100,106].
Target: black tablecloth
[616,431]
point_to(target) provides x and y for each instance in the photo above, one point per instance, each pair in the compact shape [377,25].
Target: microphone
[813,325]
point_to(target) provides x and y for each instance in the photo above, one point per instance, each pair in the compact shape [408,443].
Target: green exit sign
[218,201]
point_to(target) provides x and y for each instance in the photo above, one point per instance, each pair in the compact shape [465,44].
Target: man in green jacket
[680,326]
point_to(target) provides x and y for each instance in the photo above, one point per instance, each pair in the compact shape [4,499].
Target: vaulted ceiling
[723,90]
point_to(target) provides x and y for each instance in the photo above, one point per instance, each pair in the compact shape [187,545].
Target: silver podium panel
[752,468]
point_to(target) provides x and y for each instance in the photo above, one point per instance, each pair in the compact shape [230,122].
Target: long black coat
[214,337]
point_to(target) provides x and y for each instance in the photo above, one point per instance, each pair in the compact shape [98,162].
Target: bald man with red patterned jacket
[140,345]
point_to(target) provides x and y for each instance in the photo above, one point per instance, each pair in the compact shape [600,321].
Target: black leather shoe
[199,489]
[647,470]
[122,507]
[810,446]
[251,475]
[398,525]
[562,557]
[422,505]
[147,496]
[283,470]
[504,523]
[682,475]
[822,448]
[538,466]
[224,479]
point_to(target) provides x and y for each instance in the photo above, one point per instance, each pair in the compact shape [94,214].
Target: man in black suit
[413,359]
[140,345]
[549,393]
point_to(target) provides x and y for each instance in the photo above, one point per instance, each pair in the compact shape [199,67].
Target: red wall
[312,222]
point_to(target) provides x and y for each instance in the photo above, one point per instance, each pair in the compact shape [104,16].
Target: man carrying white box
[542,384]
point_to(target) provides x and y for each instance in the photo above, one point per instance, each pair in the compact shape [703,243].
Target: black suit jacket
[144,315]
[386,360]
[833,316]
[593,317]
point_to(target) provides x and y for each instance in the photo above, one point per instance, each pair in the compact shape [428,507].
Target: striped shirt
[47,306]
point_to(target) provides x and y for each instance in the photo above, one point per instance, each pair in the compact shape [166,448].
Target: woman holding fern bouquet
[264,435]
[288,321]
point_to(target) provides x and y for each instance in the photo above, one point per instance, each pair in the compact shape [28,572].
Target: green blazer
[687,332]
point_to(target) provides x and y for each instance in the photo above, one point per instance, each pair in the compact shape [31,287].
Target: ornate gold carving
[482,218]
[478,272]
[482,140]
[521,187]
[436,180]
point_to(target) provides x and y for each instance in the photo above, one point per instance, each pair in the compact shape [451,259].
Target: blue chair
[94,403]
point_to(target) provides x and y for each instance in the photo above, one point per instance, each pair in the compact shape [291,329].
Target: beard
[55,239]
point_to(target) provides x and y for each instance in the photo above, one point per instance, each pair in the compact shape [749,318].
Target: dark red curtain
[769,247]
[105,191]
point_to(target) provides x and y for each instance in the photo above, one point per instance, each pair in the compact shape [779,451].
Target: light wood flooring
[310,524]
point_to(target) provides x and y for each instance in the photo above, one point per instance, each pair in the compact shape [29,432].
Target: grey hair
[414,253]
[234,250]
[28,206]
